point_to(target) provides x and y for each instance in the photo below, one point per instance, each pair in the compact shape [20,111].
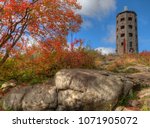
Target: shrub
[40,62]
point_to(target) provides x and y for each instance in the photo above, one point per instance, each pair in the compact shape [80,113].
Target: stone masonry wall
[126,33]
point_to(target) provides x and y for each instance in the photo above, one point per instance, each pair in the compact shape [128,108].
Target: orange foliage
[53,56]
[43,20]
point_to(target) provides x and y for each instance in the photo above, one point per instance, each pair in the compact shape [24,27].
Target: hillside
[89,82]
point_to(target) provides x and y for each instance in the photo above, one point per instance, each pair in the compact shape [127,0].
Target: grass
[25,69]
[124,100]
[145,107]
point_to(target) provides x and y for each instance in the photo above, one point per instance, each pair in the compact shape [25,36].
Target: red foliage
[50,56]
[145,53]
[43,20]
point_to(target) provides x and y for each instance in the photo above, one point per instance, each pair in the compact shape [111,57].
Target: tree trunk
[4,59]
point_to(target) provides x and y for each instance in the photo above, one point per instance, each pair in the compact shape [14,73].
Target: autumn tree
[43,20]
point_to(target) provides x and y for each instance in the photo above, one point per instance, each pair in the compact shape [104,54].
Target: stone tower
[126,32]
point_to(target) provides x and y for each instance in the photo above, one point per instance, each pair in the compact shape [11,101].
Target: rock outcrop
[12,100]
[40,97]
[142,79]
[89,89]
[141,90]
[144,98]
[123,108]
[74,89]
[9,84]
[139,68]
[140,103]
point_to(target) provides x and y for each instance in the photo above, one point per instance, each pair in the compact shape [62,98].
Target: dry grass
[127,60]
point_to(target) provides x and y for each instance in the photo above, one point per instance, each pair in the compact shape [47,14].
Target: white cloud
[111,36]
[97,8]
[87,24]
[105,51]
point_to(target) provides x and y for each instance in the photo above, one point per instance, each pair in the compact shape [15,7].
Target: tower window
[130,44]
[122,44]
[122,27]
[122,19]
[122,35]
[130,34]
[130,26]
[130,18]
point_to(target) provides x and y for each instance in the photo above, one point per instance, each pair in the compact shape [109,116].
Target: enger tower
[126,32]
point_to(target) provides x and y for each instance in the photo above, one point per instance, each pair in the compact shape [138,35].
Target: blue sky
[98,28]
